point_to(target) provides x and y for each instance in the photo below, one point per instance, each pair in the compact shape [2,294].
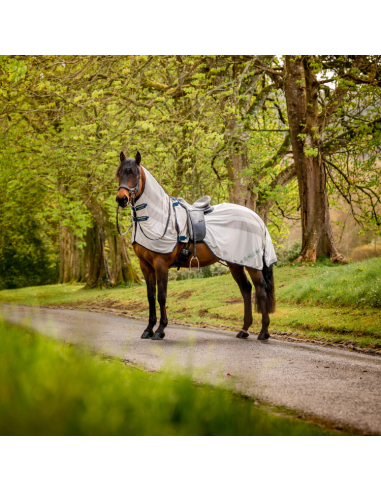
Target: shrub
[206,272]
[288,255]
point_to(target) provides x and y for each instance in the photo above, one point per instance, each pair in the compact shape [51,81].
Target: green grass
[358,284]
[339,302]
[49,388]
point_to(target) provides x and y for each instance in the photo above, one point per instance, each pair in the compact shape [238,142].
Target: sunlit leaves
[66,118]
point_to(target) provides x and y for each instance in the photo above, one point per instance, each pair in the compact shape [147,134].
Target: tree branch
[339,94]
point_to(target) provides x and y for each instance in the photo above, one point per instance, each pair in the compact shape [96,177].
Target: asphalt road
[342,387]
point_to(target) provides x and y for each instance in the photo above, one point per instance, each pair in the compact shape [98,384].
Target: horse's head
[129,175]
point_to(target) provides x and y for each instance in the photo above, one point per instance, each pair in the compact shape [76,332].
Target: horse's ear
[138,158]
[122,157]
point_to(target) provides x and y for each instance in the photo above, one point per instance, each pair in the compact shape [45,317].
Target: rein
[133,192]
[117,224]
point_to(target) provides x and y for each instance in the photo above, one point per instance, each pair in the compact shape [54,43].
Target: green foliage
[71,116]
[290,254]
[25,258]
[65,118]
[308,151]
[211,271]
[207,272]
[28,252]
[51,389]
[15,68]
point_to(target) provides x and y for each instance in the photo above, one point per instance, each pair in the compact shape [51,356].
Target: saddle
[196,217]
[196,227]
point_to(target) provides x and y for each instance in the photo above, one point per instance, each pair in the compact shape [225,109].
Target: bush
[25,258]
[206,272]
[288,255]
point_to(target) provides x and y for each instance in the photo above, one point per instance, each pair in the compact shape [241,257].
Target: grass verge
[49,388]
[340,304]
[356,285]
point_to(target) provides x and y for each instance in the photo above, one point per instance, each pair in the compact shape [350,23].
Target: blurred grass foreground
[50,388]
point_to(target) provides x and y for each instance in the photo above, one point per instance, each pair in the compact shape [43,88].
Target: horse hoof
[264,336]
[158,336]
[243,335]
[147,335]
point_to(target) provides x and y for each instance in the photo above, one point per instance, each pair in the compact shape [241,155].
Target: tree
[57,101]
[316,115]
[209,122]
[236,127]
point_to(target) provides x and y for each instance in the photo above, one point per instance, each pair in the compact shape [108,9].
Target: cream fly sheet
[234,234]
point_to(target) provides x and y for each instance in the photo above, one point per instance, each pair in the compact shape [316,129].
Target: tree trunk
[121,269]
[317,237]
[71,257]
[237,164]
[84,272]
[240,191]
[301,89]
[98,272]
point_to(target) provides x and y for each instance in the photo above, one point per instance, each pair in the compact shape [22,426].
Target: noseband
[133,191]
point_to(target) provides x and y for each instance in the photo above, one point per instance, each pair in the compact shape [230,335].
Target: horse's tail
[268,286]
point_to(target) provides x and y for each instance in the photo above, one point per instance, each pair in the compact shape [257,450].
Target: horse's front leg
[150,278]
[161,269]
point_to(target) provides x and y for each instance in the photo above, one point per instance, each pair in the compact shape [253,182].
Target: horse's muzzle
[122,202]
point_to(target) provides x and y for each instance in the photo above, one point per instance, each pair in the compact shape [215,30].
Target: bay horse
[155,266]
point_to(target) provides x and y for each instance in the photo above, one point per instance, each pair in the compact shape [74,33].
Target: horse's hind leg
[245,287]
[262,302]
[150,278]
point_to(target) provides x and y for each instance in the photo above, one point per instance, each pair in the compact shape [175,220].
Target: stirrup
[198,270]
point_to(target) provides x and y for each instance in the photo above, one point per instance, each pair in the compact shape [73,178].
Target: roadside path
[342,387]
